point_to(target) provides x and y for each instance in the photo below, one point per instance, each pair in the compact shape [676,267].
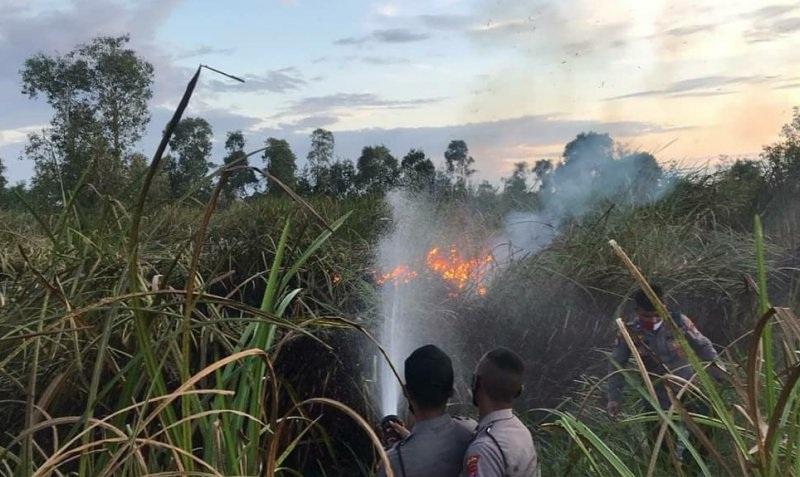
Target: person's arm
[483,460]
[616,383]
[699,343]
[702,346]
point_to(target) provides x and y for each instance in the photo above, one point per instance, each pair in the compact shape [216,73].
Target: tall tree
[342,179]
[588,159]
[783,158]
[485,191]
[641,175]
[188,161]
[99,93]
[459,162]
[241,177]
[281,163]
[417,171]
[320,158]
[3,180]
[377,170]
[160,188]
[4,193]
[515,187]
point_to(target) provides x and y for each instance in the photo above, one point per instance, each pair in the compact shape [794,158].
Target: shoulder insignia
[472,465]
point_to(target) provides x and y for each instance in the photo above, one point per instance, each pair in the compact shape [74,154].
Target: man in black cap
[435,445]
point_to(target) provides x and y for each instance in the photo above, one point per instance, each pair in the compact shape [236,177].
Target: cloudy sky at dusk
[517,79]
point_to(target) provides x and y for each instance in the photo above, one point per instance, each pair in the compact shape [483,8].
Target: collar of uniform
[494,416]
[430,424]
[655,327]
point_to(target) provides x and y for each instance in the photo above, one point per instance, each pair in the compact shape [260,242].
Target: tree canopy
[99,93]
[281,163]
[188,162]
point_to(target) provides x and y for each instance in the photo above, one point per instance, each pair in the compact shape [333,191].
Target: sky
[690,81]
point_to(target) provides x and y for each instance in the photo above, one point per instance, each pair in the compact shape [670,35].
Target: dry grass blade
[269,469]
[296,197]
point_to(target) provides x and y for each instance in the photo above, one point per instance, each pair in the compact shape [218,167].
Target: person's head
[498,379]
[645,309]
[429,379]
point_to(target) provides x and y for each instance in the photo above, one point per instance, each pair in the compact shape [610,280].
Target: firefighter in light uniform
[502,446]
[435,445]
[660,351]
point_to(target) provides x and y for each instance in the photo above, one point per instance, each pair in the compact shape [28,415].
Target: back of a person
[503,446]
[517,444]
[435,448]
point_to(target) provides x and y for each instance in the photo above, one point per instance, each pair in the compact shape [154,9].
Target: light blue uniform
[502,447]
[435,448]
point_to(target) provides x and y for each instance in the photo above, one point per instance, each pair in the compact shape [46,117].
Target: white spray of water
[401,299]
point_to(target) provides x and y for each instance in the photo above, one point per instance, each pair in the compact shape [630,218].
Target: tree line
[99,94]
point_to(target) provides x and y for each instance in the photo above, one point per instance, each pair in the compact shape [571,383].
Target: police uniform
[661,353]
[502,447]
[434,448]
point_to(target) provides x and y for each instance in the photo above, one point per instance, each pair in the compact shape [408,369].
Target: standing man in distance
[502,446]
[660,351]
[435,445]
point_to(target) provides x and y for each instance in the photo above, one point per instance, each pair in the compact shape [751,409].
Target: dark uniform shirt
[434,448]
[661,354]
[502,447]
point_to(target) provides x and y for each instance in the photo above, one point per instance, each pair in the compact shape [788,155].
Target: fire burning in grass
[399,274]
[459,271]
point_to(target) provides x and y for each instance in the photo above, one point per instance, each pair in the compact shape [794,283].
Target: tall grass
[752,425]
[110,360]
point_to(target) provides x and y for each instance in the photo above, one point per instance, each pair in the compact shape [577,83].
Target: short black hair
[429,377]
[643,302]
[501,373]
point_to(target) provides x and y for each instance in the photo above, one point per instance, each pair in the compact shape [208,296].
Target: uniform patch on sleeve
[472,465]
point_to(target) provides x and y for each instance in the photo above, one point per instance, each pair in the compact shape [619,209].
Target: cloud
[391,35]
[18,135]
[201,51]
[348,102]
[384,60]
[368,59]
[690,29]
[701,86]
[505,27]
[771,11]
[446,21]
[770,23]
[275,81]
[310,122]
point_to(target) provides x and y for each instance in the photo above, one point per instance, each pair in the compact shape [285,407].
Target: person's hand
[612,408]
[400,429]
[393,432]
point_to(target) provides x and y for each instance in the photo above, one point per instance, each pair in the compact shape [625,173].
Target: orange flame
[458,270]
[399,274]
[453,268]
